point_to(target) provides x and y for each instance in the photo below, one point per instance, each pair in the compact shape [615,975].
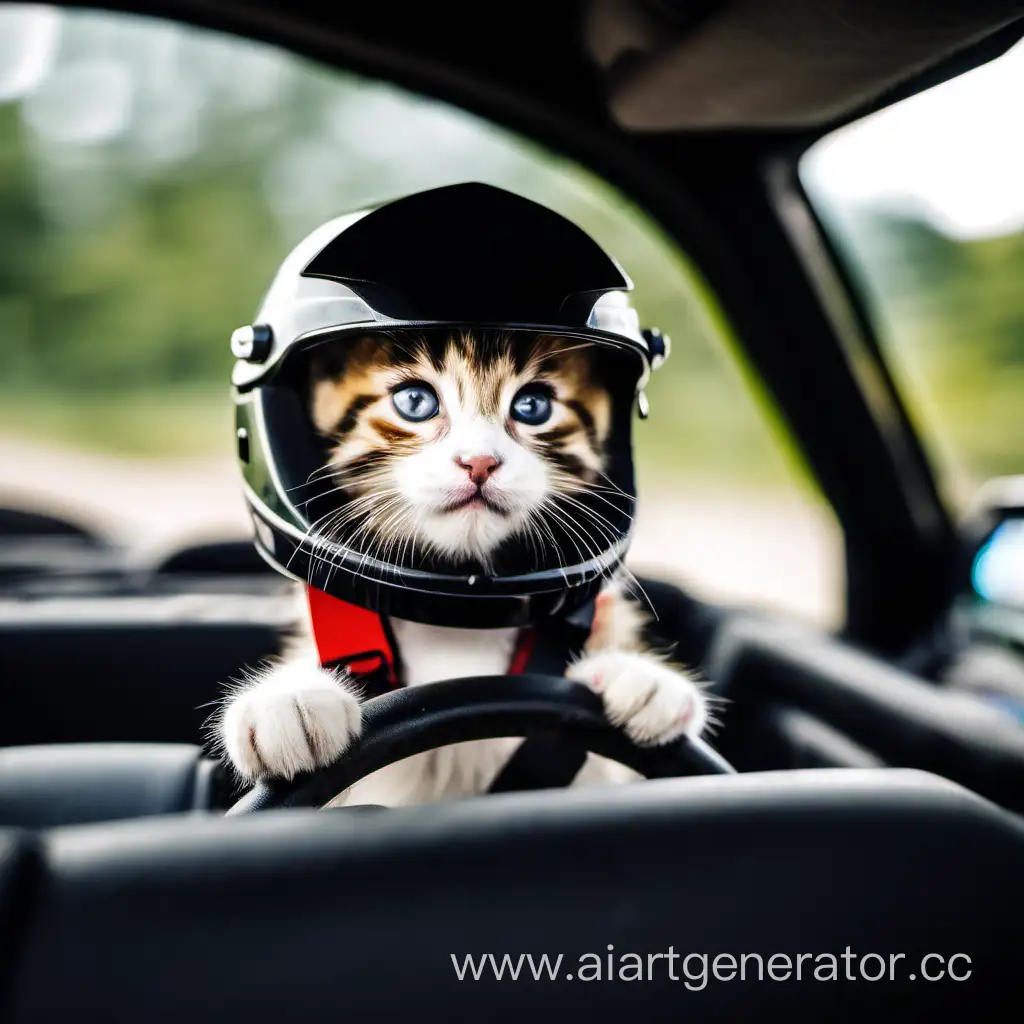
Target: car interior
[853,795]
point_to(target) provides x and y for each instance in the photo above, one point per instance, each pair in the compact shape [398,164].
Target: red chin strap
[357,638]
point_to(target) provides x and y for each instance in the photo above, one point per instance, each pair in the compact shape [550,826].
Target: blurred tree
[951,315]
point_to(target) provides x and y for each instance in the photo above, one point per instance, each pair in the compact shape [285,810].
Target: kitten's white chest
[432,653]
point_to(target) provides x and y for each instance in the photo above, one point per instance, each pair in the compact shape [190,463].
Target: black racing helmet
[464,257]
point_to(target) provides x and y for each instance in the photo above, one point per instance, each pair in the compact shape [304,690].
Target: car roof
[648,65]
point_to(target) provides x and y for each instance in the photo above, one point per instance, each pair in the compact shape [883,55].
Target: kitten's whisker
[607,571]
[555,353]
[389,535]
[403,546]
[314,477]
[371,518]
[613,486]
[566,522]
[354,502]
[330,524]
[379,530]
[542,522]
[530,533]
[339,490]
[606,532]
[539,522]
[572,487]
[607,526]
[403,538]
[366,503]
[327,538]
[311,539]
[574,481]
[406,540]
[633,586]
[352,540]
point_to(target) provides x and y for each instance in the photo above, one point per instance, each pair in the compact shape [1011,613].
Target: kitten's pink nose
[479,467]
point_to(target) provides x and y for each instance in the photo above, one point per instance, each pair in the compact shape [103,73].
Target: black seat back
[21,868]
[75,783]
[145,662]
[312,916]
[133,666]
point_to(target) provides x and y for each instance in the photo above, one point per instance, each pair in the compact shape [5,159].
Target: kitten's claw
[295,720]
[652,702]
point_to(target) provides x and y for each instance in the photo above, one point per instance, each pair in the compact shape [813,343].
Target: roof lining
[790,65]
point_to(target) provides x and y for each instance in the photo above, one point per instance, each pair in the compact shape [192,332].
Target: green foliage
[951,317]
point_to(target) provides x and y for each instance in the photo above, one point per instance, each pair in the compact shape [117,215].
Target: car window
[151,178]
[925,203]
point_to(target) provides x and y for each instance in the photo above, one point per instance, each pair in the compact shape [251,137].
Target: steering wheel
[420,718]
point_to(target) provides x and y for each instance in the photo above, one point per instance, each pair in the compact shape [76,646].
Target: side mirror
[996,539]
[988,616]
[997,573]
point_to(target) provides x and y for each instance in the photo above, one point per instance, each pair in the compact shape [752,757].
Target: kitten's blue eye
[415,402]
[532,406]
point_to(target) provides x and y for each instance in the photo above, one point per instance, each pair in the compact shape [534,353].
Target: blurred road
[724,545]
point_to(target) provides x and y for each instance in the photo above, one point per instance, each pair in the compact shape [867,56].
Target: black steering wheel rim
[415,719]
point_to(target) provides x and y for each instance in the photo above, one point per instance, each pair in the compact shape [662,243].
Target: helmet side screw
[243,443]
[658,346]
[252,342]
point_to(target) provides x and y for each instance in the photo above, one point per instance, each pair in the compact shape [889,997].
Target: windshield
[152,176]
[925,202]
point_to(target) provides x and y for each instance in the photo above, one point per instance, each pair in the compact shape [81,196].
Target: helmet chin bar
[471,601]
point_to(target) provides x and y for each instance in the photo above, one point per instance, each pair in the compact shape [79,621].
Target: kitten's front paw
[297,719]
[652,702]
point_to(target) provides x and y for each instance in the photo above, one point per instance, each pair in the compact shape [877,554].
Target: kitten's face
[455,444]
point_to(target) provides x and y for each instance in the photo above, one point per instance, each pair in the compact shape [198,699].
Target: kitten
[452,448]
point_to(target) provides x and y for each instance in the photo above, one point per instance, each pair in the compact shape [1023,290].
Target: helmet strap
[359,641]
[356,639]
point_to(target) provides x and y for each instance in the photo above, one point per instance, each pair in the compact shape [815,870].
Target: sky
[953,154]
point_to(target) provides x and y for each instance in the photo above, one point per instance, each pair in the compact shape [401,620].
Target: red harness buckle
[344,632]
